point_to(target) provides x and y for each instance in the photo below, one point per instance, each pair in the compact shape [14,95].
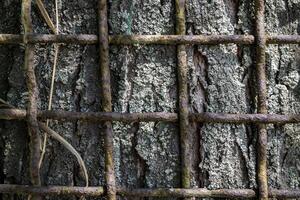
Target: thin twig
[56,48]
[46,16]
[56,16]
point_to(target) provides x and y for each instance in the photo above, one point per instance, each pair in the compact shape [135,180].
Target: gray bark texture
[221,79]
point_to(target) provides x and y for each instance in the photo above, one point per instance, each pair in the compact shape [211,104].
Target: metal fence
[32,114]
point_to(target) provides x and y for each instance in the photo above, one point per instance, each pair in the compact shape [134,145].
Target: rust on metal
[90,39]
[68,39]
[106,99]
[141,192]
[283,39]
[182,71]
[32,123]
[180,39]
[51,190]
[284,193]
[188,193]
[94,117]
[244,118]
[262,98]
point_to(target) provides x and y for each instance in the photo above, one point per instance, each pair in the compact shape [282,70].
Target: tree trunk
[221,79]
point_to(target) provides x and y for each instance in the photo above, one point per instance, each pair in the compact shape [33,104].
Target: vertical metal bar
[106,99]
[35,142]
[183,96]
[262,98]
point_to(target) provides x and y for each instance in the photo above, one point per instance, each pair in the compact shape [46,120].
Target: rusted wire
[188,193]
[199,39]
[182,71]
[180,39]
[35,141]
[284,194]
[94,117]
[51,190]
[155,192]
[90,39]
[262,98]
[106,99]
[283,39]
[204,193]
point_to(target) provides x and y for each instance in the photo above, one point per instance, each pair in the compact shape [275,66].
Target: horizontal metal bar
[155,192]
[245,118]
[181,39]
[147,39]
[180,192]
[51,190]
[275,193]
[283,39]
[10,114]
[47,38]
[205,193]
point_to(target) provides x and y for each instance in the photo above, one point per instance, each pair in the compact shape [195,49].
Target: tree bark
[221,79]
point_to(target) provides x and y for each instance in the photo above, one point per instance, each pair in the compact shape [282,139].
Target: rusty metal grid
[32,114]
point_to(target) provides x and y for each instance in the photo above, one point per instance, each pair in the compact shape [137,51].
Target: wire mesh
[32,115]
